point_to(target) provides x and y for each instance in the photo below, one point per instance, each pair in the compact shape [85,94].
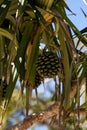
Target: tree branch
[25,124]
[74,87]
[45,114]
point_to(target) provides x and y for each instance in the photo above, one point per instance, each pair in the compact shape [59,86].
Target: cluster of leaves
[26,24]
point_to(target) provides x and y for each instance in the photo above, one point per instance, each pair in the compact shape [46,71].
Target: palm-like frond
[22,29]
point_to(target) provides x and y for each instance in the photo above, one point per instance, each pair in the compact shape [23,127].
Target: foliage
[24,25]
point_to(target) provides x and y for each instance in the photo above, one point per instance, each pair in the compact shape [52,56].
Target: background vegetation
[37,43]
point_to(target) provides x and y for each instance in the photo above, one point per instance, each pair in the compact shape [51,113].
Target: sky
[79,19]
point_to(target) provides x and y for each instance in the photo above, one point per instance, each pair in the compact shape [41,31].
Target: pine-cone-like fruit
[38,80]
[48,65]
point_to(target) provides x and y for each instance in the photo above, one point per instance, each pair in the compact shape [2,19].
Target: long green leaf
[66,67]
[4,9]
[12,19]
[18,60]
[13,7]
[57,10]
[32,57]
[2,50]
[30,65]
[6,34]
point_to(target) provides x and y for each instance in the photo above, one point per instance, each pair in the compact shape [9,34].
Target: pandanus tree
[26,26]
